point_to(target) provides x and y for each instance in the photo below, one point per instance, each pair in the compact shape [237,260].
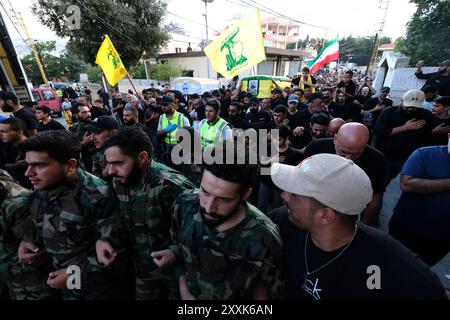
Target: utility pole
[206,22]
[384,5]
[33,48]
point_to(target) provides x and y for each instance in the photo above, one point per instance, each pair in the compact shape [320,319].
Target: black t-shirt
[97,112]
[350,87]
[10,154]
[259,120]
[28,117]
[238,123]
[441,138]
[299,119]
[399,147]
[299,142]
[372,161]
[281,101]
[344,111]
[399,274]
[372,103]
[52,125]
[436,79]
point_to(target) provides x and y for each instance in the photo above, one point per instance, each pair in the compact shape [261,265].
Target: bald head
[334,126]
[351,140]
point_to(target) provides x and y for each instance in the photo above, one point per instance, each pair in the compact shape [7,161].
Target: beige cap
[335,181]
[413,98]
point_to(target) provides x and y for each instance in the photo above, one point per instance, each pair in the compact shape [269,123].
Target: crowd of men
[106,196]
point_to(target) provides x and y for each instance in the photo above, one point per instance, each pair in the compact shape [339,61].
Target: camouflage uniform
[98,163]
[224,265]
[87,151]
[146,211]
[25,282]
[69,220]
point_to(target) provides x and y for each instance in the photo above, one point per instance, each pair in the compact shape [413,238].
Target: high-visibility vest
[177,119]
[59,93]
[212,133]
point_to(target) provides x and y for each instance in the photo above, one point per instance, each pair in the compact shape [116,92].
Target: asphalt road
[391,196]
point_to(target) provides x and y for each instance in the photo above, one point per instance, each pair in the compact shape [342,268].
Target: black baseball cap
[102,123]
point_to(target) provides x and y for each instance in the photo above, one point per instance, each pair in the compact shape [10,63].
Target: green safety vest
[176,118]
[59,93]
[211,133]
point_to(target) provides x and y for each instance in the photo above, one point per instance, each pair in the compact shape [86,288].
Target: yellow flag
[108,59]
[238,48]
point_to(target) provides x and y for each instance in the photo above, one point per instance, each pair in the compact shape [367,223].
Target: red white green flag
[328,54]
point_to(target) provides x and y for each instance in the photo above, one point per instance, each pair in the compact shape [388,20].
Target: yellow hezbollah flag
[108,59]
[238,48]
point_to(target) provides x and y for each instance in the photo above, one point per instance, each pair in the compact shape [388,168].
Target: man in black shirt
[12,132]
[375,106]
[45,120]
[401,130]
[344,109]
[257,119]
[10,103]
[318,128]
[347,86]
[440,79]
[351,142]
[99,109]
[235,119]
[326,254]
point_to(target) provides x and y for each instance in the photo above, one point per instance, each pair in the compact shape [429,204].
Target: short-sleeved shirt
[427,214]
[350,87]
[28,117]
[351,276]
[52,125]
[372,161]
[225,265]
[398,148]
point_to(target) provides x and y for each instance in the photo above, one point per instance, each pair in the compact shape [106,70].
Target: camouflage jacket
[98,163]
[71,218]
[14,211]
[146,212]
[224,265]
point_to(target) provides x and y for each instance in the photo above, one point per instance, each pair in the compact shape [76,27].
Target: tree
[134,26]
[428,32]
[164,71]
[94,74]
[138,71]
[66,66]
[358,50]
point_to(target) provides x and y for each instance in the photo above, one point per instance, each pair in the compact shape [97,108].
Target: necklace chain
[326,264]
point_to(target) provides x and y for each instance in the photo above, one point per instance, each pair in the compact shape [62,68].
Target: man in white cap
[402,129]
[327,255]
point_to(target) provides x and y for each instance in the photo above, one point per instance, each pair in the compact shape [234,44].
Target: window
[36,96]
[188,73]
[177,50]
[48,95]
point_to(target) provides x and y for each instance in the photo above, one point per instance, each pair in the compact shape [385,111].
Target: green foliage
[428,32]
[138,71]
[94,74]
[66,66]
[134,26]
[164,71]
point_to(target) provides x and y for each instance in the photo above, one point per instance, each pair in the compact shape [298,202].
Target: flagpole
[132,83]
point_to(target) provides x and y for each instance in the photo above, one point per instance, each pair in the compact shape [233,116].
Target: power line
[192,21]
[105,23]
[14,25]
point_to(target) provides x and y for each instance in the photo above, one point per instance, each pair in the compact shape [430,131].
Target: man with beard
[213,128]
[146,191]
[373,107]
[327,254]
[102,128]
[351,142]
[224,247]
[401,130]
[235,120]
[70,210]
[10,103]
[257,119]
[440,79]
[318,128]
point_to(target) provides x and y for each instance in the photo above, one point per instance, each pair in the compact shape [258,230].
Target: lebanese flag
[328,54]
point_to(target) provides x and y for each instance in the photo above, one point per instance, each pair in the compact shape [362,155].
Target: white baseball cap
[332,180]
[413,98]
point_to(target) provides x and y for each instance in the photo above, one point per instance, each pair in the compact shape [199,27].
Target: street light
[206,22]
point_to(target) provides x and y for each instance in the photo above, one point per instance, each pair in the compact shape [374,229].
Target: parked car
[48,97]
